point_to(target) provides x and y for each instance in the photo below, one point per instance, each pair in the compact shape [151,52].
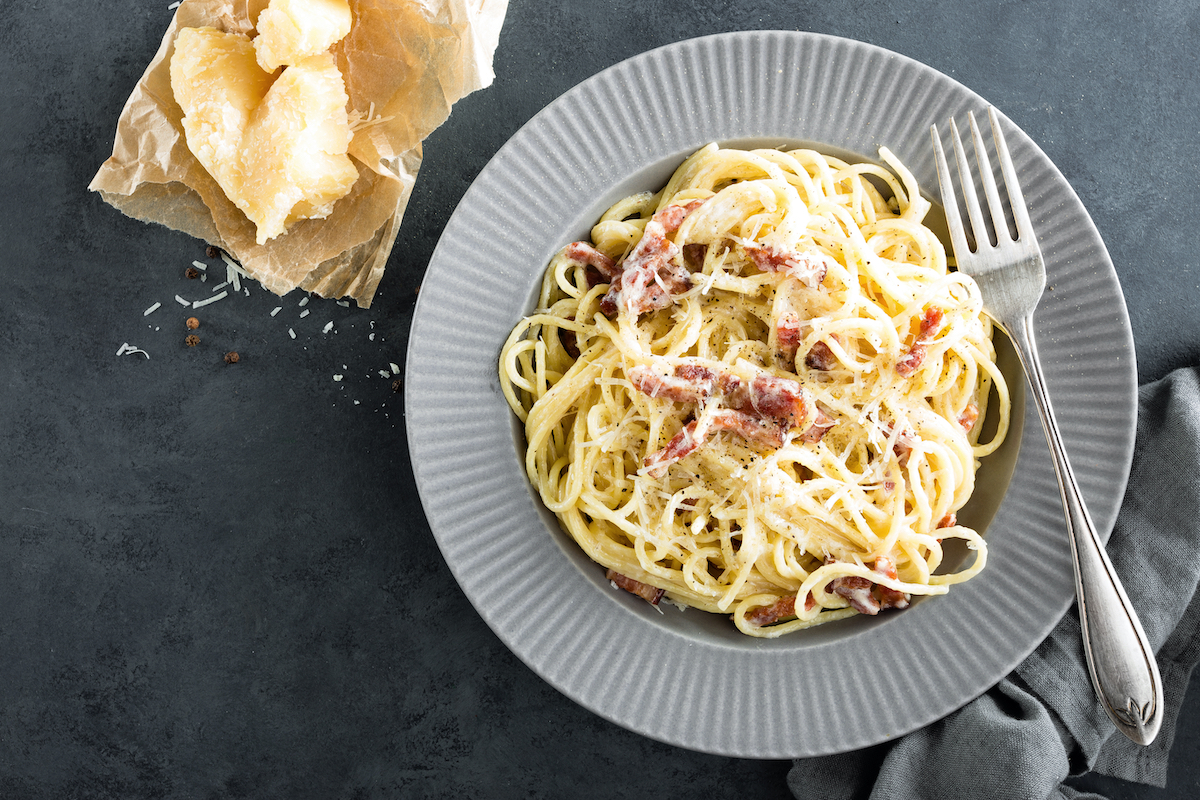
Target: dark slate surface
[216,580]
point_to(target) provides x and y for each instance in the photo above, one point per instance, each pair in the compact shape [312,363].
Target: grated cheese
[200,265]
[304,313]
[395,369]
[212,299]
[383,373]
[233,272]
[328,327]
[337,377]
[181,301]
[304,301]
[127,349]
[151,309]
[277,310]
[291,333]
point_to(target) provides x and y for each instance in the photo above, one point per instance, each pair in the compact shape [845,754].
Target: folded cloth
[1042,723]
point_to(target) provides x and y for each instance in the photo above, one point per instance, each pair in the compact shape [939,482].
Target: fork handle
[1119,657]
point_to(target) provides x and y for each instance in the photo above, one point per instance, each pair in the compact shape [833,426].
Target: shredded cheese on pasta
[761,390]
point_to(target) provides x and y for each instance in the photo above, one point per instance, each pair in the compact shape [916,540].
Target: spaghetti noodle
[760,391]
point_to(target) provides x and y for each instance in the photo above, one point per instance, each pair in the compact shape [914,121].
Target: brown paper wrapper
[409,60]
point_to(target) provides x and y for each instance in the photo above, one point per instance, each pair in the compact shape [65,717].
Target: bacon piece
[931,320]
[968,417]
[680,445]
[694,254]
[689,384]
[948,521]
[780,399]
[569,342]
[651,594]
[888,597]
[650,276]
[867,597]
[734,393]
[820,426]
[769,615]
[766,432]
[903,447]
[789,332]
[857,592]
[820,355]
[585,253]
[673,216]
[808,268]
[782,608]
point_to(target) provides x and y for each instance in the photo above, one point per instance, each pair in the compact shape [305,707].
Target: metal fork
[1011,276]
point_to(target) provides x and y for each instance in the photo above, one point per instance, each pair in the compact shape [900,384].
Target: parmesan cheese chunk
[294,158]
[218,84]
[290,31]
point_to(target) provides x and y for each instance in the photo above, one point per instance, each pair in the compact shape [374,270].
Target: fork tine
[1015,197]
[999,223]
[958,237]
[970,198]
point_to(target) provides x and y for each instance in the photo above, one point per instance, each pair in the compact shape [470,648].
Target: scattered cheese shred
[291,333]
[127,349]
[212,299]
[151,309]
[395,369]
[276,310]
[233,272]
[304,313]
[304,301]
[181,301]
[200,265]
[328,327]
[337,377]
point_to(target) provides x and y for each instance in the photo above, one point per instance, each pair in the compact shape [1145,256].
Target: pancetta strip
[761,411]
[808,268]
[968,417]
[651,594]
[651,275]
[585,253]
[688,439]
[782,608]
[867,597]
[931,320]
[688,384]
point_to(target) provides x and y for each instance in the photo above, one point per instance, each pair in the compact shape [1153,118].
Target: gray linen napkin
[1042,723]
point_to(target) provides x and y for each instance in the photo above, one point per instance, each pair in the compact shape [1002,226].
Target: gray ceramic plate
[686,677]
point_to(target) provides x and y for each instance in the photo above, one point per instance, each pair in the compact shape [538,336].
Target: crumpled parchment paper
[405,61]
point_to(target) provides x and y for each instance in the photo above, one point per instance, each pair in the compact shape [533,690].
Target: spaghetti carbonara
[759,391]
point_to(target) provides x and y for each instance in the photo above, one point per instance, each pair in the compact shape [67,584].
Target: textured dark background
[217,581]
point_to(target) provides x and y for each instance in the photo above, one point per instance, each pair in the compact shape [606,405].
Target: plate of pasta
[710,431]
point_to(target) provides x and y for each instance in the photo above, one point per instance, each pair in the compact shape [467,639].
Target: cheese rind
[290,31]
